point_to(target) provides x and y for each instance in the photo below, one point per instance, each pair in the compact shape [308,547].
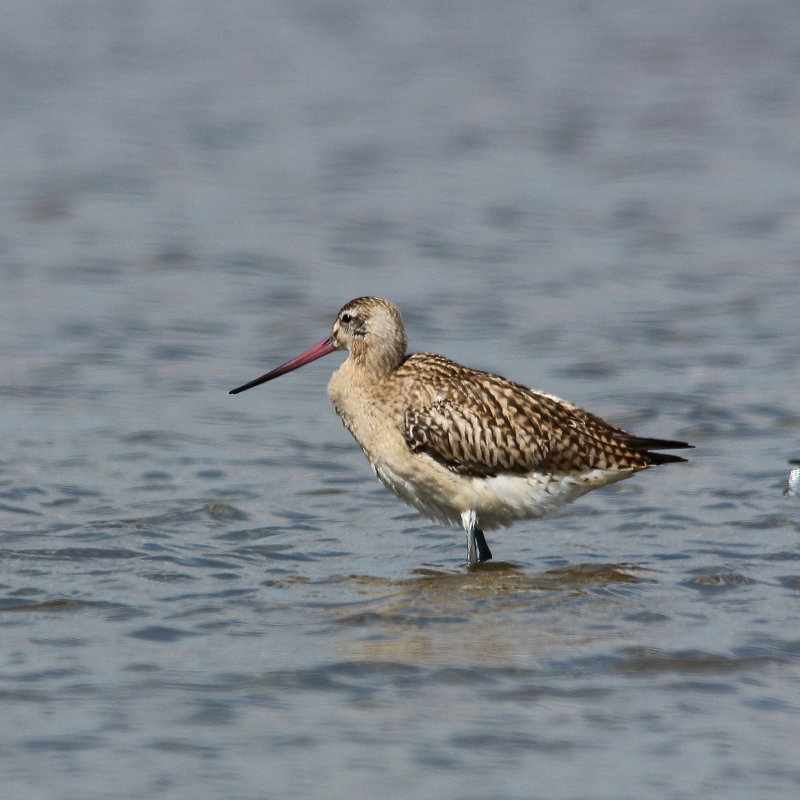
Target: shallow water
[206,595]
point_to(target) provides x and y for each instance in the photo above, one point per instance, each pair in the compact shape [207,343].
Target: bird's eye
[347,318]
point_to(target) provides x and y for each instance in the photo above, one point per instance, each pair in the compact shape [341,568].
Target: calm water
[208,596]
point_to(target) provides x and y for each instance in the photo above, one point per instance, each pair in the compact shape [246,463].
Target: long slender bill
[320,349]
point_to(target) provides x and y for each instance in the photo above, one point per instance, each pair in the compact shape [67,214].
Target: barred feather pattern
[481,425]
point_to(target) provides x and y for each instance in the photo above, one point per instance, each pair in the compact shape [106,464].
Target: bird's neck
[374,363]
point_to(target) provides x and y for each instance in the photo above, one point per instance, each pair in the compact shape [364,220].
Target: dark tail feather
[647,445]
[664,458]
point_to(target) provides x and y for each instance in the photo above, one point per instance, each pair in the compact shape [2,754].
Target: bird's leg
[477,549]
[484,553]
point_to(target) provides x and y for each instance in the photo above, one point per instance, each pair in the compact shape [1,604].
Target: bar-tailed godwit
[461,445]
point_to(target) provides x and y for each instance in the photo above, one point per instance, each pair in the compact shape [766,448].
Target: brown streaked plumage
[462,445]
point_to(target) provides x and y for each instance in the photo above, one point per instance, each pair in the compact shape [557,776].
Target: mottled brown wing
[476,428]
[480,424]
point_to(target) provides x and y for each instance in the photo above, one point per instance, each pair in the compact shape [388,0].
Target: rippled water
[210,596]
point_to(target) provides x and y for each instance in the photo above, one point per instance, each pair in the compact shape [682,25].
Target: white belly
[497,501]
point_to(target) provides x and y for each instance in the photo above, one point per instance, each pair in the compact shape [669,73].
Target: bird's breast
[368,412]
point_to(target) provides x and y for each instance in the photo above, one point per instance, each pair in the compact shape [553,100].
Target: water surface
[208,596]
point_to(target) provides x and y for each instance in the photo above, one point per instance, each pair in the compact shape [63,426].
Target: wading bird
[461,445]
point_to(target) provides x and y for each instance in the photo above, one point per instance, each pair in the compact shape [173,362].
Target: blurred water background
[209,596]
